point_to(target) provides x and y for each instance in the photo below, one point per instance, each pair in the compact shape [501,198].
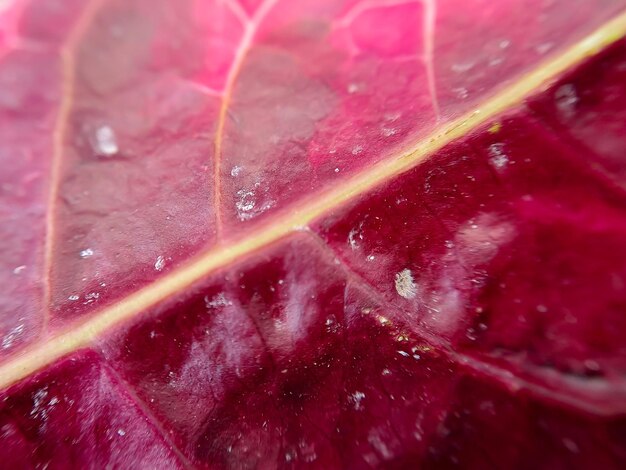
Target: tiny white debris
[357,149]
[10,338]
[19,269]
[388,131]
[371,258]
[566,99]
[386,372]
[73,297]
[159,264]
[86,253]
[462,68]
[543,48]
[497,157]
[332,326]
[336,170]
[121,432]
[405,284]
[391,117]
[245,204]
[106,141]
[91,297]
[356,398]
[353,235]
[218,300]
[235,171]
[403,353]
[38,398]
[461,92]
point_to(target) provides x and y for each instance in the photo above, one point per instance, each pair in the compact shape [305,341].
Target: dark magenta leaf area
[508,245]
[79,415]
[289,362]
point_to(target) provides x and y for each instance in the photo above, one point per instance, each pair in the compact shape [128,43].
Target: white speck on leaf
[544,48]
[121,432]
[461,92]
[391,117]
[356,398]
[405,284]
[235,171]
[566,100]
[159,264]
[14,334]
[497,157]
[91,297]
[245,203]
[216,301]
[354,235]
[86,253]
[73,297]
[357,149]
[40,409]
[19,269]
[106,141]
[388,131]
[462,68]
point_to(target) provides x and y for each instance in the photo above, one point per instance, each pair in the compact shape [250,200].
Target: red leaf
[336,234]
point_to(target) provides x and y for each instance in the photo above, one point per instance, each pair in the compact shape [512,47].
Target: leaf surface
[312,233]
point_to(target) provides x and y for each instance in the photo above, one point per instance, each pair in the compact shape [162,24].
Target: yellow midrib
[82,333]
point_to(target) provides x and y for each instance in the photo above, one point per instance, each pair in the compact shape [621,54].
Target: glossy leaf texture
[313,233]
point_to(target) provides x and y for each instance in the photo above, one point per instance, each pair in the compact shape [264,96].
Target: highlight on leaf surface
[312,233]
